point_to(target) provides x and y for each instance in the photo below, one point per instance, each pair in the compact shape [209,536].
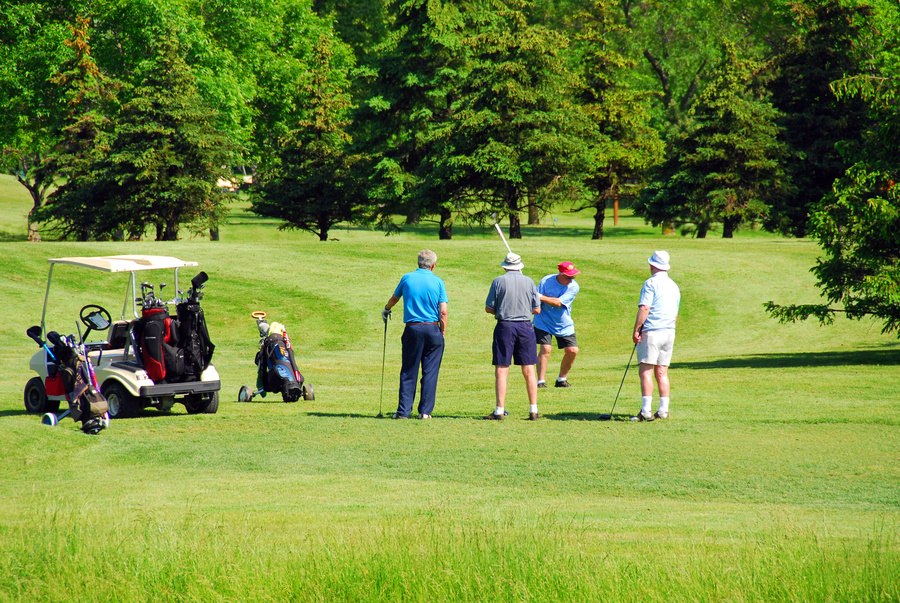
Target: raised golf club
[609,416]
[500,232]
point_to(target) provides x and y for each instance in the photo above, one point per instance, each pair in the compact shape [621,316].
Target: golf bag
[278,370]
[158,337]
[174,349]
[73,375]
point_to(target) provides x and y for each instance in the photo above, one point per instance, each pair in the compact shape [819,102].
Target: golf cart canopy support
[118,263]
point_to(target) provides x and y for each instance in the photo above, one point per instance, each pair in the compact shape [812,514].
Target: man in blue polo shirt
[654,334]
[425,314]
[558,292]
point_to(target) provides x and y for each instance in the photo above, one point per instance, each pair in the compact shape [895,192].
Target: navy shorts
[514,341]
[562,341]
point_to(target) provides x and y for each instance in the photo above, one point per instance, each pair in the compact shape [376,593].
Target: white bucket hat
[512,262]
[659,259]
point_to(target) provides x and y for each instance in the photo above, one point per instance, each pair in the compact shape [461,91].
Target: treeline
[121,116]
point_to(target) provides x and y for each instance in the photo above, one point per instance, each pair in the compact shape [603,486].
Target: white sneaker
[660,415]
[642,416]
[423,417]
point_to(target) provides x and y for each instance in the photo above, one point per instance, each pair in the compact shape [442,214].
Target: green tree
[857,224]
[401,125]
[727,167]
[820,129]
[622,145]
[314,186]
[31,51]
[515,129]
[82,135]
[166,156]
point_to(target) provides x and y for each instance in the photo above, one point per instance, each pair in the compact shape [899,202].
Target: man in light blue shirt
[654,334]
[557,292]
[425,314]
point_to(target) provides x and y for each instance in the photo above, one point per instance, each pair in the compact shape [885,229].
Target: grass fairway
[777,478]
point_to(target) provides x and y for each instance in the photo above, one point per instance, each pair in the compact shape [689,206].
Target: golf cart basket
[71,374]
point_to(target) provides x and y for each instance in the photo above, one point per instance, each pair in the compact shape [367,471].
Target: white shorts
[655,347]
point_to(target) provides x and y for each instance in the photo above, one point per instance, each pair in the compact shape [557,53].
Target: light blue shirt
[556,321]
[422,292]
[663,296]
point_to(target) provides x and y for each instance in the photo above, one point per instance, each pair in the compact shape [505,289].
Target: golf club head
[199,280]
[606,417]
[35,333]
[54,338]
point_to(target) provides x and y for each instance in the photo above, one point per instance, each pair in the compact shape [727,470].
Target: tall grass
[775,480]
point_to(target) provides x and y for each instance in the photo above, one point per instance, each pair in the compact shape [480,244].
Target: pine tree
[315,186]
[166,158]
[515,130]
[727,167]
[83,135]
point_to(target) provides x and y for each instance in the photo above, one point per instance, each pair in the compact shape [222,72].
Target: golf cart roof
[125,263]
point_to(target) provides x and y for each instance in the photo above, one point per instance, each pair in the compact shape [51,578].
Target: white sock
[498,410]
[646,404]
[560,379]
[663,405]
[534,408]
[541,381]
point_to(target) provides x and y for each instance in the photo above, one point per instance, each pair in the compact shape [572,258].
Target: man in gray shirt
[513,299]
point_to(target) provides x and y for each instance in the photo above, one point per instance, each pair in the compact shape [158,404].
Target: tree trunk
[171,232]
[446,231]
[213,234]
[412,217]
[729,225]
[515,227]
[702,229]
[534,215]
[599,217]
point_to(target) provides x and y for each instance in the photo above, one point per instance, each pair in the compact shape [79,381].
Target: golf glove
[385,315]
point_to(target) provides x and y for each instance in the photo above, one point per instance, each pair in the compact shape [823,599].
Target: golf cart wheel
[306,391]
[122,404]
[50,420]
[36,401]
[244,394]
[195,404]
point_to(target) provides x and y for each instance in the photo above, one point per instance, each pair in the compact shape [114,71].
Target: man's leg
[542,361]
[567,361]
[528,372]
[409,369]
[431,365]
[646,372]
[662,379]
[501,378]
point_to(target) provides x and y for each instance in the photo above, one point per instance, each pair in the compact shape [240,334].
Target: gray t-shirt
[513,296]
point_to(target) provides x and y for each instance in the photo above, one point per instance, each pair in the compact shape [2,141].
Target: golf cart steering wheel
[95,318]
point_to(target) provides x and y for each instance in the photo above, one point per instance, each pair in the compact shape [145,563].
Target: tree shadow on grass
[10,237]
[800,359]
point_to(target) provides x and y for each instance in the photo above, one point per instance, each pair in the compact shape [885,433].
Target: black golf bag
[278,370]
[174,349]
[78,383]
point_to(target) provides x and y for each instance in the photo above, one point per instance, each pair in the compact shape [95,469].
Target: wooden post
[616,208]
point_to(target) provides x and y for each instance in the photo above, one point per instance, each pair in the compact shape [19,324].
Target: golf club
[609,416]
[383,351]
[500,232]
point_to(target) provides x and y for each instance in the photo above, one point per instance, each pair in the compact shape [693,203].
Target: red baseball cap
[568,268]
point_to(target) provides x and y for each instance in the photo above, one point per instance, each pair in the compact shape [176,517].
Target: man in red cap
[557,292]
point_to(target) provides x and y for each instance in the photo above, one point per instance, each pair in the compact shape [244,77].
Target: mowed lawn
[777,477]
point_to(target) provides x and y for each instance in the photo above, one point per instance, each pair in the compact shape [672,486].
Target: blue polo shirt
[422,292]
[553,320]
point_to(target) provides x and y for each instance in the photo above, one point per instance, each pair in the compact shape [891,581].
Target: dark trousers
[422,344]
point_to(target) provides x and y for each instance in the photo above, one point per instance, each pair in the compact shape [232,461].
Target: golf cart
[129,364]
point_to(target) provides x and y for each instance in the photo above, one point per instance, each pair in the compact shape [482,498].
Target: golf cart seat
[118,334]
